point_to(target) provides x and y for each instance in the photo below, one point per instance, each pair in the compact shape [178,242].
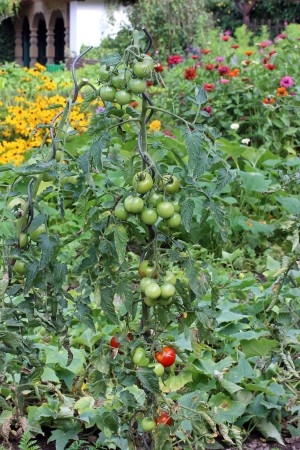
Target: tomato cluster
[120,83]
[157,292]
[152,204]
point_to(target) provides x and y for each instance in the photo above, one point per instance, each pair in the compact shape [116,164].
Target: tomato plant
[142,69]
[123,97]
[114,343]
[164,419]
[166,356]
[149,216]
[134,204]
[120,212]
[148,424]
[107,93]
[165,210]
[142,182]
[19,267]
[34,234]
[136,85]
[170,184]
[139,357]
[147,270]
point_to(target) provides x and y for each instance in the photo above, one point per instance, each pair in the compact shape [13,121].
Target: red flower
[225,38]
[268,101]
[205,51]
[190,73]
[194,57]
[270,66]
[209,66]
[149,83]
[223,70]
[209,87]
[235,46]
[208,109]
[266,60]
[175,59]
[273,52]
[159,68]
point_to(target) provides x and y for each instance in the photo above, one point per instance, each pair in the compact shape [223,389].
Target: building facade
[46,31]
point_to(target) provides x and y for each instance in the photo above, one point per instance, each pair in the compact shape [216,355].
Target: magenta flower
[168,133]
[220,59]
[286,82]
[223,81]
[223,70]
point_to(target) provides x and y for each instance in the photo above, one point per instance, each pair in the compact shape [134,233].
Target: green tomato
[136,85]
[159,369]
[23,240]
[17,204]
[155,198]
[134,204]
[123,97]
[103,73]
[107,93]
[19,267]
[58,155]
[120,212]
[165,210]
[149,216]
[174,221]
[177,207]
[152,291]
[147,270]
[142,182]
[167,290]
[143,69]
[139,357]
[165,301]
[144,282]
[120,79]
[47,177]
[150,301]
[148,424]
[170,278]
[71,180]
[34,235]
[170,184]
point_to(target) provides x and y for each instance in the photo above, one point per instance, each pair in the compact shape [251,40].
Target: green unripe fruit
[19,268]
[153,291]
[23,240]
[120,212]
[167,290]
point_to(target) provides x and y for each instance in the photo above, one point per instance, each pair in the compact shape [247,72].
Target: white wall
[89,23]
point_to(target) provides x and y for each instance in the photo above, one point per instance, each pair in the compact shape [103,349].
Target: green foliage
[27,442]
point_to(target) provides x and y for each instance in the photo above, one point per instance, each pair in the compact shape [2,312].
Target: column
[33,46]
[18,46]
[50,47]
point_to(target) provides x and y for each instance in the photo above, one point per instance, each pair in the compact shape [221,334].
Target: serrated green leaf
[107,297]
[48,245]
[148,380]
[84,403]
[62,438]
[121,240]
[177,382]
[187,213]
[111,60]
[161,435]
[200,95]
[139,394]
[110,420]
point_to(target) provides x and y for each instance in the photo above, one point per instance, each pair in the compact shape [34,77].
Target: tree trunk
[245,8]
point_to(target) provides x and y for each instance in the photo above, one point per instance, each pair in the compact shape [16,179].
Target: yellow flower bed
[18,130]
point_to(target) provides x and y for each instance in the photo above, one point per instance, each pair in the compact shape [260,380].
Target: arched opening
[25,42]
[42,41]
[59,40]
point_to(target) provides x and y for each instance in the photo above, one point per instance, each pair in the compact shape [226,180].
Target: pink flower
[280,36]
[286,82]
[168,133]
[223,70]
[208,109]
[225,38]
[220,59]
[199,64]
[223,81]
[175,59]
[209,87]
[194,57]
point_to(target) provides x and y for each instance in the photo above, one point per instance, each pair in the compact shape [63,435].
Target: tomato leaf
[121,240]
[187,213]
[107,296]
[161,436]
[148,380]
[110,420]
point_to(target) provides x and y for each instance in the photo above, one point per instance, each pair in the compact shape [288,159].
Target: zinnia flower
[220,58]
[155,125]
[234,126]
[175,59]
[286,82]
[190,73]
[205,51]
[168,133]
[235,46]
[225,38]
[246,141]
[282,92]
[223,81]
[248,53]
[209,66]
[270,66]
[208,109]
[194,57]
[280,36]
[268,101]
[234,73]
[223,70]
[209,87]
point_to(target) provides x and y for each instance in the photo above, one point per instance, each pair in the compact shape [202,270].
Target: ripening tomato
[149,216]
[147,270]
[136,85]
[120,212]
[142,182]
[123,97]
[23,240]
[155,199]
[170,184]
[167,290]
[165,210]
[19,267]
[34,234]
[164,419]
[166,356]
[148,424]
[174,221]
[114,343]
[152,291]
[107,93]
[134,204]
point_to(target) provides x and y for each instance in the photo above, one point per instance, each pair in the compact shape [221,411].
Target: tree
[8,8]
[245,7]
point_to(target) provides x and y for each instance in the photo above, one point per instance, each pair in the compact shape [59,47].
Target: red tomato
[166,356]
[114,343]
[164,419]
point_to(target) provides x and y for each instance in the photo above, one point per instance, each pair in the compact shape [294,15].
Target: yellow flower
[155,125]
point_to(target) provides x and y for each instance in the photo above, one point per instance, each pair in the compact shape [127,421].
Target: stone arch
[25,42]
[56,37]
[39,39]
